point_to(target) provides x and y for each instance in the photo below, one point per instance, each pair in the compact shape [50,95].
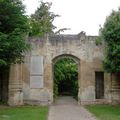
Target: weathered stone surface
[81,48]
[15,85]
[36,82]
[36,65]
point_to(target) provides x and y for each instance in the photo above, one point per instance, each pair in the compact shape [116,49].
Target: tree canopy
[110,33]
[13,29]
[41,22]
[15,25]
[66,77]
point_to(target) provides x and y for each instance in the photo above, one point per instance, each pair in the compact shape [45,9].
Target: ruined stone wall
[81,46]
[37,87]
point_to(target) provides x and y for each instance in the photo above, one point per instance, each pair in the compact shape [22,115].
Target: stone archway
[77,62]
[32,82]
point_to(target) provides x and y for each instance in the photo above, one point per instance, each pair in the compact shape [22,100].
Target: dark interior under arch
[65,77]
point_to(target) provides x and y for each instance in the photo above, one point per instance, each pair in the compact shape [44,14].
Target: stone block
[36,65]
[36,82]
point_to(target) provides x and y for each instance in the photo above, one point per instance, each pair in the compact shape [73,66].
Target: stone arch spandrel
[56,58]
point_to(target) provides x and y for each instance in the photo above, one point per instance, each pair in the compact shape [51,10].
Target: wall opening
[65,71]
[99,85]
[4,79]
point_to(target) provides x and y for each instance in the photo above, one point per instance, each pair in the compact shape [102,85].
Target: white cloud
[78,15]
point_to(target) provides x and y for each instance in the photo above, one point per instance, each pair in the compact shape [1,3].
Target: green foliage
[12,16]
[105,112]
[12,47]
[98,41]
[24,113]
[66,72]
[13,29]
[3,102]
[111,35]
[61,30]
[41,22]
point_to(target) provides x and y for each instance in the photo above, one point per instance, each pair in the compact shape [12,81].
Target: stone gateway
[32,81]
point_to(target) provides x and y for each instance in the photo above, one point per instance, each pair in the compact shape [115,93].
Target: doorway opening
[65,77]
[4,79]
[99,85]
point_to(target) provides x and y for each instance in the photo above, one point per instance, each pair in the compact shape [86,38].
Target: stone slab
[36,82]
[36,65]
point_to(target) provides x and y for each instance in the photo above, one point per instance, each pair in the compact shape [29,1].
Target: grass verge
[24,113]
[105,112]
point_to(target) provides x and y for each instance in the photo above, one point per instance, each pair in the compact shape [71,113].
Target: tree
[66,77]
[13,29]
[61,30]
[110,33]
[41,22]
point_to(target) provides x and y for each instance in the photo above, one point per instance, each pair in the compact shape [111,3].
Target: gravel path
[66,108]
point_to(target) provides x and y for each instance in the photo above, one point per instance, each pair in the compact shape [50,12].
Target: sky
[78,15]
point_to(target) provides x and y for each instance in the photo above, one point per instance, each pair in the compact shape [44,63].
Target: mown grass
[24,113]
[105,112]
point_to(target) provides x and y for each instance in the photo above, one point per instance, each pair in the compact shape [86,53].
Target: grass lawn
[23,113]
[105,112]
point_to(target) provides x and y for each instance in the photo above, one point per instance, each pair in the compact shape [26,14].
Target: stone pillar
[48,80]
[15,95]
[115,88]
